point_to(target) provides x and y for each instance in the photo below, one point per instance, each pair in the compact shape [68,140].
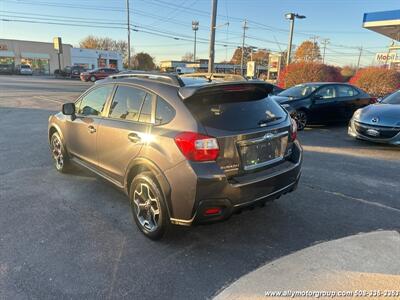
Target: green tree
[308,51]
[143,61]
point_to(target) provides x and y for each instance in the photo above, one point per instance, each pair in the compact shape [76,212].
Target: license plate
[263,153]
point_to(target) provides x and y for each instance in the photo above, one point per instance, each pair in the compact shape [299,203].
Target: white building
[93,58]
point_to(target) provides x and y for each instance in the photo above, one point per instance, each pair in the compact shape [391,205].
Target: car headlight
[357,114]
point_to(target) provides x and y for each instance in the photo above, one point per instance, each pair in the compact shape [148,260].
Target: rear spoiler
[186,92]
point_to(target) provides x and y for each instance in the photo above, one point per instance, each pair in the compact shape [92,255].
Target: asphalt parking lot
[72,236]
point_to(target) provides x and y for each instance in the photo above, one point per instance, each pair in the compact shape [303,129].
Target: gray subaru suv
[184,150]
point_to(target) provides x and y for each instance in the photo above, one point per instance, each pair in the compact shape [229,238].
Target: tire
[148,206]
[60,156]
[92,78]
[301,118]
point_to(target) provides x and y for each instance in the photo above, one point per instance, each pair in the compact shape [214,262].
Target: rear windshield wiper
[265,121]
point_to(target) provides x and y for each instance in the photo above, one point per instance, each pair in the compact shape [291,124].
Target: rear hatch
[252,130]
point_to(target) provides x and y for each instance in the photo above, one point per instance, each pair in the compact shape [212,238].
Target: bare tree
[188,56]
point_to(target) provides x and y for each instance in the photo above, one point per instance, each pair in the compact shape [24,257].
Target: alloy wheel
[301,119]
[147,207]
[57,153]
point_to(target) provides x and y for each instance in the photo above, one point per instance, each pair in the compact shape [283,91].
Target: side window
[346,91]
[126,103]
[145,112]
[327,92]
[164,112]
[92,104]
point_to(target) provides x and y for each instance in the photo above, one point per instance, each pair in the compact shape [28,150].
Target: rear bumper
[352,131]
[230,196]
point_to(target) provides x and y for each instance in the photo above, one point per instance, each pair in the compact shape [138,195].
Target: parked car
[97,74]
[70,72]
[183,154]
[322,102]
[23,70]
[378,122]
[6,68]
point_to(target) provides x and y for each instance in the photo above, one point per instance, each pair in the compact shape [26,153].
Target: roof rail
[216,76]
[170,78]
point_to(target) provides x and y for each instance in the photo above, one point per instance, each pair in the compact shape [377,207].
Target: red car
[97,74]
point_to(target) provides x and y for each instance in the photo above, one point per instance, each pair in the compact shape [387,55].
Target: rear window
[235,111]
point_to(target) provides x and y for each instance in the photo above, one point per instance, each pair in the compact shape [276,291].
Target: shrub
[377,81]
[302,72]
[347,72]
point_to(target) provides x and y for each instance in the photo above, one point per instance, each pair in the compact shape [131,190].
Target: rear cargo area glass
[227,111]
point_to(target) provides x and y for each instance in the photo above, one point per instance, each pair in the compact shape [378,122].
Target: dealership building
[43,58]
[386,23]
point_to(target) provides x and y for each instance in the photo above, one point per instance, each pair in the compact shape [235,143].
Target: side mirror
[68,109]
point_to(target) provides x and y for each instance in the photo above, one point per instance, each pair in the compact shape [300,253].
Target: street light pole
[243,40]
[195,27]
[291,17]
[129,34]
[211,55]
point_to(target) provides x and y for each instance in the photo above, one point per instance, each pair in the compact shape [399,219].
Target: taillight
[197,147]
[293,130]
[373,100]
[212,211]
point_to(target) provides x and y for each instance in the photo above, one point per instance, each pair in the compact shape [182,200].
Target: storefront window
[113,63]
[6,60]
[39,66]
[101,63]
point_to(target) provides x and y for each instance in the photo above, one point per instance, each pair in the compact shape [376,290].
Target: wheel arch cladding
[140,165]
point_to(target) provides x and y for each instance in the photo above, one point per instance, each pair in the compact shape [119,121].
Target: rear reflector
[197,147]
[212,211]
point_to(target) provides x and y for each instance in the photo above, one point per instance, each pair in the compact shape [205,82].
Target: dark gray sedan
[378,122]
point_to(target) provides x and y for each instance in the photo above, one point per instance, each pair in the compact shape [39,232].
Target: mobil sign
[385,57]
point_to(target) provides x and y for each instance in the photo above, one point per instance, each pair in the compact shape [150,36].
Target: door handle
[134,137]
[91,129]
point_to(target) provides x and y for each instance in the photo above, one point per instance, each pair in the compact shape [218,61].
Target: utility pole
[324,42]
[211,55]
[129,34]
[243,40]
[291,17]
[195,27]
[359,57]
[289,50]
[314,39]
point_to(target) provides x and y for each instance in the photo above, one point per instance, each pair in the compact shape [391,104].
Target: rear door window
[346,91]
[235,110]
[145,112]
[127,103]
[164,112]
